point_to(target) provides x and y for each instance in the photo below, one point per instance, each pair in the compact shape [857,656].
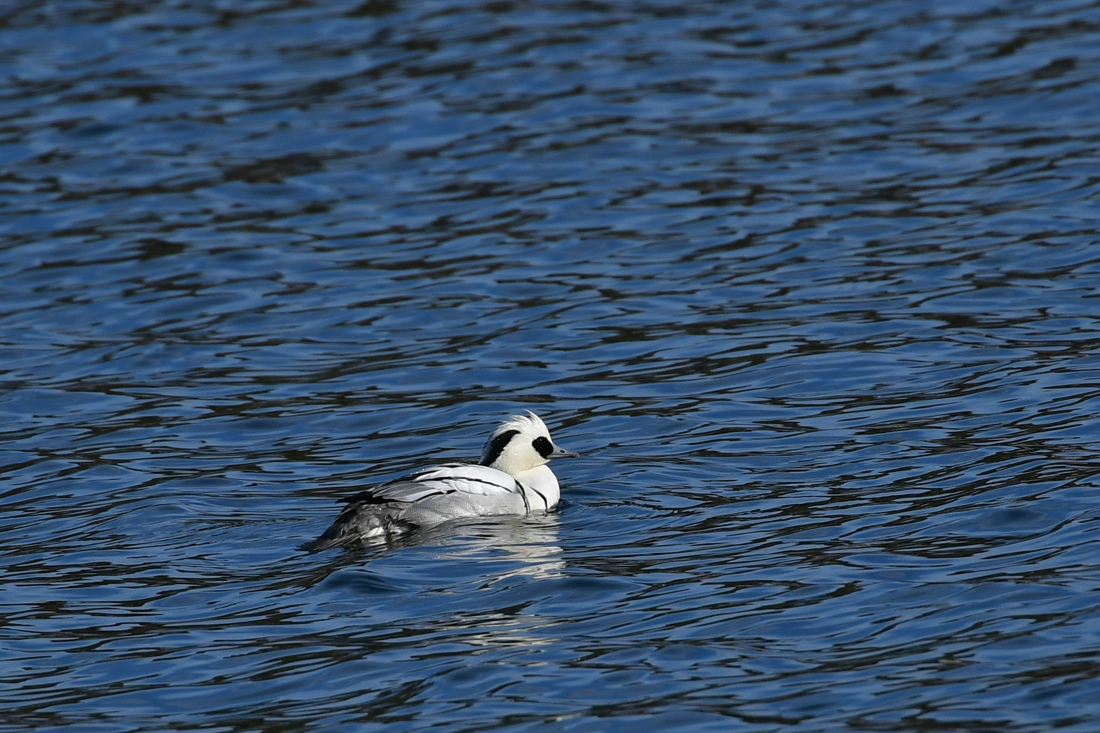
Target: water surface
[811,286]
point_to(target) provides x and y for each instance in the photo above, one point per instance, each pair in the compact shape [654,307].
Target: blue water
[813,287]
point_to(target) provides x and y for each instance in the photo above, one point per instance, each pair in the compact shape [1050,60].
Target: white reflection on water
[472,581]
[504,548]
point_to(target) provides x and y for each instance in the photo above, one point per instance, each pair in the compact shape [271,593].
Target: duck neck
[541,487]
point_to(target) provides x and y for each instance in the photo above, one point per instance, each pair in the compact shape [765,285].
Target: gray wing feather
[383,508]
[445,479]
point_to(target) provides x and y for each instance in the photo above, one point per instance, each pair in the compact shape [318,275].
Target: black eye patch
[543,446]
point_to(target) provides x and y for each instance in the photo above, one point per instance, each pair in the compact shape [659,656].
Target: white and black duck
[511,478]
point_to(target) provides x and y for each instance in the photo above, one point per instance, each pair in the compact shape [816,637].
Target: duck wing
[382,509]
[447,478]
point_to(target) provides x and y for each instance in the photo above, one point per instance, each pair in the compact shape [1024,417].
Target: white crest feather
[527,424]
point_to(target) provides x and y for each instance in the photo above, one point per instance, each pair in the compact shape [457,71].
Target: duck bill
[562,453]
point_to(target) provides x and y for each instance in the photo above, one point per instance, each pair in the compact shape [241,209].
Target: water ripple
[811,286]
